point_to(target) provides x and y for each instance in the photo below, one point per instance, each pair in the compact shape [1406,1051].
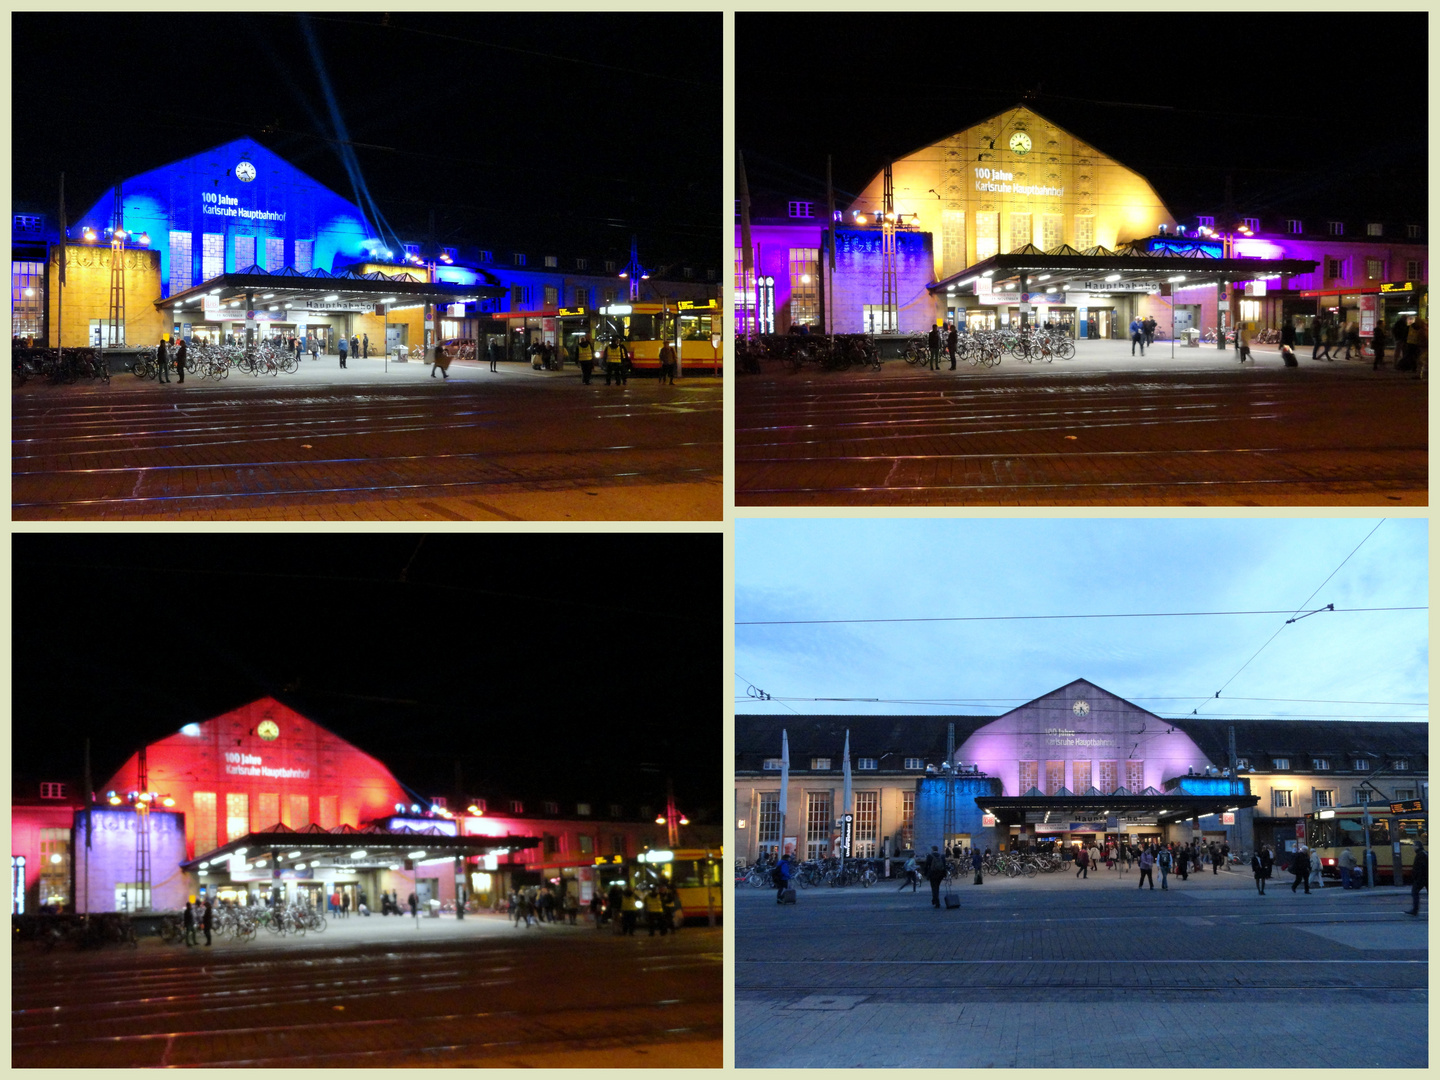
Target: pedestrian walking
[162,359]
[208,920]
[1419,877]
[1225,856]
[1352,339]
[494,352]
[1082,862]
[615,361]
[439,360]
[1315,866]
[1332,339]
[912,874]
[189,923]
[365,345]
[1147,869]
[978,863]
[1164,861]
[667,363]
[413,903]
[1137,336]
[1301,869]
[1242,343]
[1149,326]
[781,876]
[1317,338]
[344,349]
[1347,868]
[354,345]
[1377,344]
[1214,858]
[1258,868]
[935,872]
[345,906]
[584,351]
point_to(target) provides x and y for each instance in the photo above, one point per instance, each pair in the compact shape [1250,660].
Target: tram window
[695,327]
[1412,829]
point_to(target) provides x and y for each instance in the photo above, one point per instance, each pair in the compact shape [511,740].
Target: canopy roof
[291,287]
[381,846]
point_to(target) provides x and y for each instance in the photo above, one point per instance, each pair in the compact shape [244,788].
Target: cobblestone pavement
[374,993]
[370,444]
[1052,971]
[1104,429]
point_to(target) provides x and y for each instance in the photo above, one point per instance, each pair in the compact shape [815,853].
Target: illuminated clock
[268,730]
[245,172]
[1020,143]
[1080,708]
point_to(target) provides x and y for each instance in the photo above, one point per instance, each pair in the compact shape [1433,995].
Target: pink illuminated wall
[1103,728]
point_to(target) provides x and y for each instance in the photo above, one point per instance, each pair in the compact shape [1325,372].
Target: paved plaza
[1055,972]
[1177,427]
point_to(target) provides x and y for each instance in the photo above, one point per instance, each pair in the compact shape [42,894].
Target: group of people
[948,343]
[534,905]
[205,913]
[1142,333]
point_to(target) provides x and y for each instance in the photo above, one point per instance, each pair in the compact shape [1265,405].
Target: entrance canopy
[1034,276]
[370,848]
[1166,808]
[318,291]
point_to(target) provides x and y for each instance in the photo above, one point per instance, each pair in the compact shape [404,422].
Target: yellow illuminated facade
[1014,179]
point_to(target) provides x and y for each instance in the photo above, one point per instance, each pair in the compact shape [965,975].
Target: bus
[1331,830]
[695,873]
[692,326]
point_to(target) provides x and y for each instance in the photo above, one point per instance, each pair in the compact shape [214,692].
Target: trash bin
[1192,338]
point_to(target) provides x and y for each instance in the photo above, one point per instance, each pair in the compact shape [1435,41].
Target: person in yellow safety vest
[615,361]
[655,913]
[585,352]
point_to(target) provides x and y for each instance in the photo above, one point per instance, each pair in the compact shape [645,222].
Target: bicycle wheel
[1030,870]
[318,924]
[1065,349]
[912,354]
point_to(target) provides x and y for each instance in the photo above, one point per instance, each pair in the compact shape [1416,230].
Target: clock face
[1080,708]
[268,730]
[245,172]
[1020,143]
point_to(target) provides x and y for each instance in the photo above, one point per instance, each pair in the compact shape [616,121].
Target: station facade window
[1022,231]
[987,235]
[864,834]
[819,817]
[804,285]
[768,824]
[237,815]
[244,251]
[27,298]
[1079,776]
[55,866]
[1084,232]
[274,253]
[212,255]
[907,819]
[204,822]
[181,270]
[304,255]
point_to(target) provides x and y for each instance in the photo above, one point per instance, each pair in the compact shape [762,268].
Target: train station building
[264,802]
[1014,219]
[236,241]
[1076,765]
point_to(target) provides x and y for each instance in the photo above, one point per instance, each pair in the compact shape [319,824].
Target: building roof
[889,739]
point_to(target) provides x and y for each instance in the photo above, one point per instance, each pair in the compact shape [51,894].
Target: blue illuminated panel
[240,189]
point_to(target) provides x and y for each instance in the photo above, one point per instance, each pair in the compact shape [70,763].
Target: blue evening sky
[897,568]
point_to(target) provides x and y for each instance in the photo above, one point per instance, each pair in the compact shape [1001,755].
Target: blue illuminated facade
[231,207]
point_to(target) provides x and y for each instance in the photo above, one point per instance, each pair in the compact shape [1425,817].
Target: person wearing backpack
[782,878]
[1164,862]
[935,871]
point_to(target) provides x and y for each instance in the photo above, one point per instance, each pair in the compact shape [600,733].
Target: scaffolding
[117,274]
[889,321]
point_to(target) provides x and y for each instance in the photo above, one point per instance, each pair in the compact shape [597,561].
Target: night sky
[1319,114]
[567,132]
[551,665]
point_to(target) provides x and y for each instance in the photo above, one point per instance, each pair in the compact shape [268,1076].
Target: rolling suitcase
[951,901]
[787,896]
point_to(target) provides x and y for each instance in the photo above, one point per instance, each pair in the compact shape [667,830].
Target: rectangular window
[819,820]
[1401,764]
[907,819]
[820,764]
[54,866]
[1084,232]
[329,816]
[875,318]
[582,297]
[1052,231]
[1412,269]
[551,260]
[412,249]
[451,253]
[269,810]
[518,259]
[1361,796]
[804,286]
[1403,793]
[1332,268]
[1281,763]
[744,295]
[767,832]
[867,763]
[1320,763]
[607,296]
[1079,776]
[204,822]
[28,224]
[987,235]
[552,296]
[1361,765]
[27,298]
[864,838]
[1253,224]
[552,807]
[52,791]
[180,268]
[953,225]
[516,806]
[1242,763]
[237,815]
[617,844]
[582,809]
[587,844]
[1412,231]
[519,297]
[1282,797]
[773,764]
[274,253]
[582,264]
[1337,228]
[1029,775]
[129,896]
[1324,797]
[244,252]
[1108,777]
[304,254]
[487,256]
[1022,231]
[1294,226]
[802,210]
[1135,776]
[552,844]
[1249,310]
[610,266]
[914,763]
[1205,222]
[1054,776]
[1374,269]
[212,255]
[1374,228]
[299,811]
